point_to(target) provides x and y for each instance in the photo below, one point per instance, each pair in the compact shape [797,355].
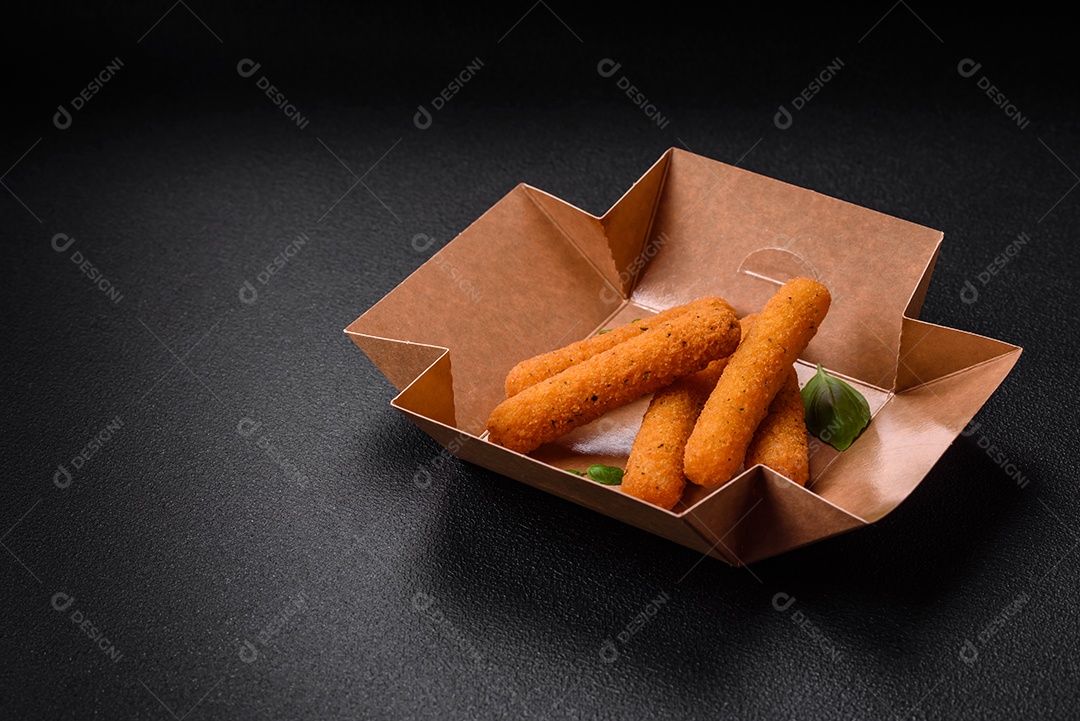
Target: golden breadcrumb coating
[780,441]
[752,378]
[583,392]
[539,368]
[654,471]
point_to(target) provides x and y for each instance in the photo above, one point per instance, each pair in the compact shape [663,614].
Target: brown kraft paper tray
[535,273]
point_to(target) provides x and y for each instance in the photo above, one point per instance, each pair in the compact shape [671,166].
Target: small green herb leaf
[601,332]
[575,471]
[608,475]
[635,320]
[835,412]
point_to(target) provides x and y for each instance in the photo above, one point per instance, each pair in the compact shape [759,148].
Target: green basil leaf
[608,475]
[835,412]
[601,332]
[575,471]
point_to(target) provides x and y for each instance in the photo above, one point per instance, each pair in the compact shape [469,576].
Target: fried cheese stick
[654,471]
[780,441]
[583,392]
[750,381]
[539,368]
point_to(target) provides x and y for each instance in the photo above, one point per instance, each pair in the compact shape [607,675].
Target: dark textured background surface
[182,539]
